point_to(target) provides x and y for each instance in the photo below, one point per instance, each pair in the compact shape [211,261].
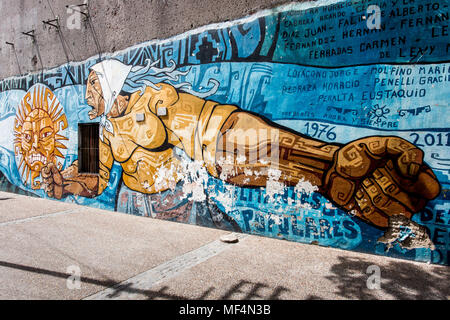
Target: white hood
[111,75]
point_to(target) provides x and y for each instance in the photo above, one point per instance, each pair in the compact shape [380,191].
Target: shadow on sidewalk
[399,280]
[241,290]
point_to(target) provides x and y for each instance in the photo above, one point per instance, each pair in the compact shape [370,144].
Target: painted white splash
[274,174]
[273,186]
[329,206]
[277,219]
[305,187]
[241,159]
[227,167]
[227,198]
[193,174]
[166,178]
[195,178]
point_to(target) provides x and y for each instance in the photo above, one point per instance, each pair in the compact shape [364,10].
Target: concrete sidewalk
[122,256]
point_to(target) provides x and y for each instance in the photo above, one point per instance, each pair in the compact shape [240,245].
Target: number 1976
[316,130]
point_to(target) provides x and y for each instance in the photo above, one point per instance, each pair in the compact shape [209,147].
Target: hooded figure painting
[111,75]
[372,178]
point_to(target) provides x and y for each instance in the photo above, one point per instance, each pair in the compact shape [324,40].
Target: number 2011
[431,139]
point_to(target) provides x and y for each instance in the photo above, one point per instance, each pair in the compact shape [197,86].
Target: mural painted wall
[308,122]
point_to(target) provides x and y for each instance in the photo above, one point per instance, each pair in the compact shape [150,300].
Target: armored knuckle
[340,189]
[388,187]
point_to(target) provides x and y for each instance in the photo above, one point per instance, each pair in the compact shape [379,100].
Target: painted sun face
[39,120]
[38,139]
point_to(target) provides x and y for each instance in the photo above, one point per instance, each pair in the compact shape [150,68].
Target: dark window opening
[88,154]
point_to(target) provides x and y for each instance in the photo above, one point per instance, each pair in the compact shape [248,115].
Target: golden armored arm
[248,147]
[373,178]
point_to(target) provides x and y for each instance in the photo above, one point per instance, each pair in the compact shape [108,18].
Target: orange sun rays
[41,98]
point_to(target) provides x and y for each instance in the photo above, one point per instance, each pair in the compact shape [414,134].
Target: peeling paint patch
[408,234]
[306,187]
[273,186]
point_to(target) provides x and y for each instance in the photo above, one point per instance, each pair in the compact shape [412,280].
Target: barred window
[88,142]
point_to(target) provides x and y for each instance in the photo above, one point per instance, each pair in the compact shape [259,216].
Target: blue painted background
[314,68]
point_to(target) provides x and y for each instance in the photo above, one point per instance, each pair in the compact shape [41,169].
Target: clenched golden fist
[377,177]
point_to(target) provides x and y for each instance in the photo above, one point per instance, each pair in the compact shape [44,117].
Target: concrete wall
[118,24]
[321,122]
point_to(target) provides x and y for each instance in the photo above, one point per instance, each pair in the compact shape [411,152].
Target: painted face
[38,139]
[37,126]
[94,96]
